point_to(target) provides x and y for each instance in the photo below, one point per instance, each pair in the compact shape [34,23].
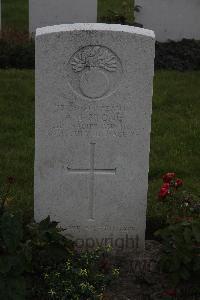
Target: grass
[175,134]
[15,12]
[17,133]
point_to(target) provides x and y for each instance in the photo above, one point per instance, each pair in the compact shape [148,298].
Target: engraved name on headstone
[93,121]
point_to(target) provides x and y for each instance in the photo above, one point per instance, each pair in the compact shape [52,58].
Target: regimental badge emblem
[94,72]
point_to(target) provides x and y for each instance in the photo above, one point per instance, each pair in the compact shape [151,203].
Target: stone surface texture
[51,12]
[93,122]
[170,19]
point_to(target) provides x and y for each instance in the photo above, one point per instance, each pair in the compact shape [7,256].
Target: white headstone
[170,19]
[53,12]
[93,123]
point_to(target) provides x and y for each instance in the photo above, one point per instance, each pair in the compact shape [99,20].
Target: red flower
[179,182]
[170,292]
[165,185]
[168,177]
[164,191]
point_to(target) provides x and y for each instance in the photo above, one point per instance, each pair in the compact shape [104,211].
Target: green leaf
[17,288]
[175,264]
[196,231]
[175,277]
[15,264]
[185,223]
[6,263]
[44,224]
[187,259]
[12,288]
[188,235]
[185,274]
[196,265]
[11,230]
[27,250]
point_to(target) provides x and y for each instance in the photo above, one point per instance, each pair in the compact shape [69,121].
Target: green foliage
[17,137]
[19,52]
[181,205]
[177,205]
[181,256]
[64,273]
[173,132]
[16,50]
[117,13]
[181,238]
[79,277]
[174,135]
[181,56]
[15,14]
[38,262]
[14,252]
[15,255]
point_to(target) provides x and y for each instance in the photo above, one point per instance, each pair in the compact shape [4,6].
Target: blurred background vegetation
[15,12]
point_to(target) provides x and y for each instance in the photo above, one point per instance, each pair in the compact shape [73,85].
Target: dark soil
[141,278]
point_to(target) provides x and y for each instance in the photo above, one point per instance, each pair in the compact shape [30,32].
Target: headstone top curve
[93,27]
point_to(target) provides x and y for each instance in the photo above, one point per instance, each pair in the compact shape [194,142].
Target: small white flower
[52,292]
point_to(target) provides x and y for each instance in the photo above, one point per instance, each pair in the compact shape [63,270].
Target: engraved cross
[92,171]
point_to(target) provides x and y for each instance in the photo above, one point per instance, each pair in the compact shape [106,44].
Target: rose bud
[168,177]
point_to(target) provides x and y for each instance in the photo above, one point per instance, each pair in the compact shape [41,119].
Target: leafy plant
[14,252]
[181,238]
[17,50]
[125,16]
[181,256]
[38,262]
[183,55]
[178,205]
[79,277]
[174,204]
